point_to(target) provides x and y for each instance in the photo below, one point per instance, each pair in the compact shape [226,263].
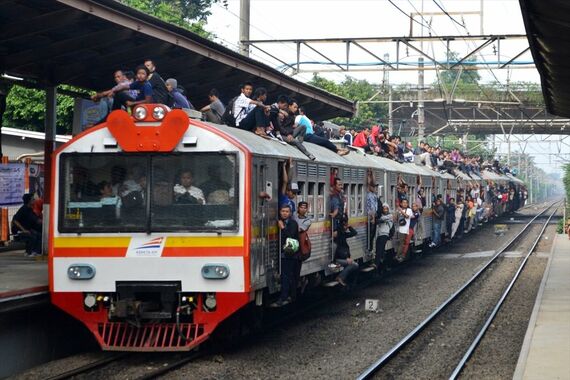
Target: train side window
[361,200]
[302,196]
[321,201]
[311,199]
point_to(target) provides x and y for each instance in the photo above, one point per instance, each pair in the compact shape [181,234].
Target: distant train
[147,270]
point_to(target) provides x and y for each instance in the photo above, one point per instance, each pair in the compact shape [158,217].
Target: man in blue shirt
[304,131]
[143,87]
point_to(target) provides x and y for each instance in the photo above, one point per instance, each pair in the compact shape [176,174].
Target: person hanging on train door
[450,218]
[304,223]
[371,208]
[404,214]
[289,247]
[414,222]
[337,204]
[438,213]
[386,229]
[342,253]
[287,191]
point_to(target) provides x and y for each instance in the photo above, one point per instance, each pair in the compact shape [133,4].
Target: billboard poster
[36,178]
[86,113]
[12,184]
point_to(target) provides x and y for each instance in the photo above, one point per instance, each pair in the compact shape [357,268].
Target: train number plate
[371,305]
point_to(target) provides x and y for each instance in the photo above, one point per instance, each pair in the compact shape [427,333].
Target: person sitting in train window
[289,247]
[184,192]
[342,253]
[159,90]
[287,128]
[243,104]
[337,204]
[178,99]
[82,189]
[257,118]
[214,111]
[287,191]
[304,131]
[214,181]
[219,197]
[105,189]
[132,191]
[27,226]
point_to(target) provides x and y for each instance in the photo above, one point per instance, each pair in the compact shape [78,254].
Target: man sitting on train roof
[144,92]
[118,95]
[214,111]
[304,131]
[243,104]
[178,99]
[287,128]
[257,117]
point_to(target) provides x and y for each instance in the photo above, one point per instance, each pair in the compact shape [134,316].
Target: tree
[354,89]
[189,14]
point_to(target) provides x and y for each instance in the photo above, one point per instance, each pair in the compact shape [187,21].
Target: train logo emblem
[143,247]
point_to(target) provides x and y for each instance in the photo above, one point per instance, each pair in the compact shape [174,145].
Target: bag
[133,199]
[392,230]
[401,221]
[305,245]
[291,247]
[228,118]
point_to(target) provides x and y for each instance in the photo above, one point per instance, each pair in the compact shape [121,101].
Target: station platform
[23,280]
[545,353]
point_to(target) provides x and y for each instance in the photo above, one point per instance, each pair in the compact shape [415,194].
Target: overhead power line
[407,15]
[448,15]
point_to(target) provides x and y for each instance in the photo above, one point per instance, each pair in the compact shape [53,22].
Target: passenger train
[145,272]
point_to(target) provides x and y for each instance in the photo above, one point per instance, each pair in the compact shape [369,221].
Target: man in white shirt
[244,104]
[404,215]
[184,192]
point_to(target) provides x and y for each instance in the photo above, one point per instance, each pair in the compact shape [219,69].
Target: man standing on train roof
[160,93]
[215,109]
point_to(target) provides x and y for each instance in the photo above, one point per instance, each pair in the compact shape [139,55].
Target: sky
[290,19]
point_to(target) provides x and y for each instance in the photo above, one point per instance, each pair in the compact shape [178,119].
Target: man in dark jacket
[450,216]
[159,91]
[27,226]
[289,234]
[287,128]
[342,252]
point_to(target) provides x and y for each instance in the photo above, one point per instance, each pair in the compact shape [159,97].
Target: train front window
[146,193]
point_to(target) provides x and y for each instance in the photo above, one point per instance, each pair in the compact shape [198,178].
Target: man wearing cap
[27,225]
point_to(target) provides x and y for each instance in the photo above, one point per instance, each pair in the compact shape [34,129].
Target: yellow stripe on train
[171,242]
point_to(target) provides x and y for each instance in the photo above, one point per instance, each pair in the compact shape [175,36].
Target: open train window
[353,199]
[321,201]
[311,199]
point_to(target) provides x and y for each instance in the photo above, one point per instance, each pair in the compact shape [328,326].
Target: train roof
[514,179]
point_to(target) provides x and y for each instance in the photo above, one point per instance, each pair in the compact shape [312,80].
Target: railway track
[391,356]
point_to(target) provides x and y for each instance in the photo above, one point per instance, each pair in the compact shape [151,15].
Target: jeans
[288,275]
[314,139]
[33,240]
[407,240]
[255,118]
[380,250]
[348,269]
[436,233]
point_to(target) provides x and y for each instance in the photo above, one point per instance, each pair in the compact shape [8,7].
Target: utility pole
[390,105]
[481,25]
[420,99]
[244,11]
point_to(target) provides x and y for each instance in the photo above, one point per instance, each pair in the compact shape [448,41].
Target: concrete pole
[481,25]
[244,12]
[49,146]
[390,105]
[421,99]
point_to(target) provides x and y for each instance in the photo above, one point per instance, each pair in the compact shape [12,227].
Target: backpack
[228,118]
[392,231]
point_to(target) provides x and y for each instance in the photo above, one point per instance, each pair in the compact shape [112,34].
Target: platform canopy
[547,24]
[81,43]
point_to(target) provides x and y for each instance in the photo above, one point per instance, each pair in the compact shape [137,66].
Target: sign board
[12,185]
[371,305]
[36,178]
[86,113]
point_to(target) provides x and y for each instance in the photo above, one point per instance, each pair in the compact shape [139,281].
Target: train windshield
[148,193]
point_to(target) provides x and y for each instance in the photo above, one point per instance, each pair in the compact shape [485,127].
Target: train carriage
[161,232]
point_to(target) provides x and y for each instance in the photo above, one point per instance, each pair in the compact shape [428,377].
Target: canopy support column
[50,130]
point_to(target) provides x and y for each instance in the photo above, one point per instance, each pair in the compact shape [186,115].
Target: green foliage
[566,182]
[188,14]
[560,226]
[25,109]
[356,90]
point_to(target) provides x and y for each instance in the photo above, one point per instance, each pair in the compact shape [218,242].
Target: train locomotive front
[148,239]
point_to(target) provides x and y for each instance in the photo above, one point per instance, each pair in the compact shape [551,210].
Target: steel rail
[88,367]
[367,374]
[497,307]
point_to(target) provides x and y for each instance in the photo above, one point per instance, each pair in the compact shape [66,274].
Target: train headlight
[158,113]
[139,113]
[90,300]
[215,271]
[81,272]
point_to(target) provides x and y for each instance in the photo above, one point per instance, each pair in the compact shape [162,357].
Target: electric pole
[244,11]
[420,99]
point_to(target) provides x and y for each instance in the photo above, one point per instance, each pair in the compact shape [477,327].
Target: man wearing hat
[28,226]
[180,101]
